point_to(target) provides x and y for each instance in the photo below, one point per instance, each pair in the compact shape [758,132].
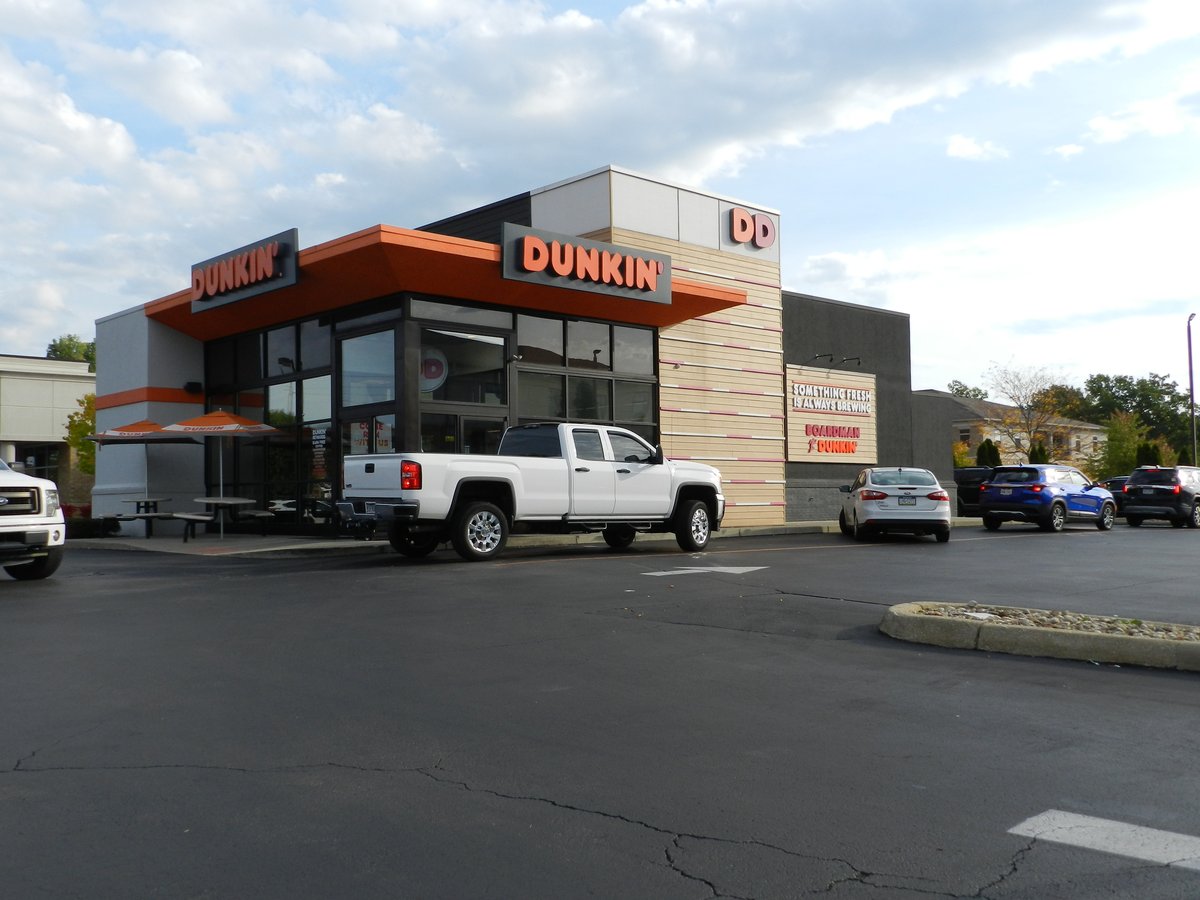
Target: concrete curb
[907,622]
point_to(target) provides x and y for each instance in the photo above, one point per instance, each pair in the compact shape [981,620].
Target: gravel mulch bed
[1063,620]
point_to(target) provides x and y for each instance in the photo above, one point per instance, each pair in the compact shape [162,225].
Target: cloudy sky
[1022,177]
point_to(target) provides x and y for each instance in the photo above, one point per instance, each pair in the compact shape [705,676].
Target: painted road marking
[1119,838]
[709,570]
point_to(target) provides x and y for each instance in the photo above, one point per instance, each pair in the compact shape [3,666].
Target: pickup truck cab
[32,529]
[546,478]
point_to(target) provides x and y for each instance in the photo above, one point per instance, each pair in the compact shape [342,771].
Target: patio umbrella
[221,424]
[143,432]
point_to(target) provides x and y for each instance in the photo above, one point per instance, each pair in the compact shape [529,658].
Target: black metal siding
[485,223]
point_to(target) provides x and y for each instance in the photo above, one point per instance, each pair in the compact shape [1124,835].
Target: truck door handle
[582,469]
[622,471]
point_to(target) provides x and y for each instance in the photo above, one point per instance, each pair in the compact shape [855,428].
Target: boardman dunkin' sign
[831,416]
[560,260]
[263,266]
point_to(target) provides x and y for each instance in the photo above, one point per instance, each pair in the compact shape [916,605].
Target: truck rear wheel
[39,568]
[693,529]
[414,546]
[619,536]
[479,532]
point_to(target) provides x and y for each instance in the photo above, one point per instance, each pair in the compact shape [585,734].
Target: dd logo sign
[751,228]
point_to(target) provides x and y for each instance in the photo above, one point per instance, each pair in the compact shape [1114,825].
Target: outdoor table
[146,504]
[221,505]
[146,510]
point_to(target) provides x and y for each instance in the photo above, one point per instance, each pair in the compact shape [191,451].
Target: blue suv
[1047,495]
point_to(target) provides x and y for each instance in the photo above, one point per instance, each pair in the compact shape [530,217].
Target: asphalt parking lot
[569,722]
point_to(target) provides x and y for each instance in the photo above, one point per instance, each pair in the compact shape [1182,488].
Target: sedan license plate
[907,501]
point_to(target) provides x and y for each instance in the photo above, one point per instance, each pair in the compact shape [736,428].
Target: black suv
[968,481]
[1163,492]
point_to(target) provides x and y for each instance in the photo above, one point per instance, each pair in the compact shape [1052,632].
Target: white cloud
[960,146]
[1067,151]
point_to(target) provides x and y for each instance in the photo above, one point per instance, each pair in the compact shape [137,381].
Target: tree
[1069,402]
[1032,414]
[72,347]
[988,454]
[958,389]
[79,425]
[1159,403]
[962,454]
[1124,434]
[1038,453]
[1149,454]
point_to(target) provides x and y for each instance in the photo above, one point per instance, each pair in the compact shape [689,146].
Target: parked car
[1047,495]
[900,499]
[1116,486]
[1163,492]
[968,480]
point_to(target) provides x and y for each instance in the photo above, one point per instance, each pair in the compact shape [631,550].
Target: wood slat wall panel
[719,367]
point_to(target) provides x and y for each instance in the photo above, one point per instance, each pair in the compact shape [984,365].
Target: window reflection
[588,345]
[369,369]
[463,368]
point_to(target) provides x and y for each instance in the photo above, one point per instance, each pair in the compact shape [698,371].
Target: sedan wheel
[844,526]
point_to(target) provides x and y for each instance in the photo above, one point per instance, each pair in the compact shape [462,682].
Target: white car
[900,499]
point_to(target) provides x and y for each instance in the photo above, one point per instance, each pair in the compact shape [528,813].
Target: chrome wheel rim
[700,525]
[483,532]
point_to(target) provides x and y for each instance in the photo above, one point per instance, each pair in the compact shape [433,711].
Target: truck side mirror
[657,458]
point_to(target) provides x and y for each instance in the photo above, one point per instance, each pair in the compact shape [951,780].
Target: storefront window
[540,341]
[463,368]
[314,345]
[588,346]
[280,354]
[281,404]
[633,350]
[318,398]
[369,368]
[374,435]
[462,315]
[249,359]
[634,401]
[591,398]
[541,396]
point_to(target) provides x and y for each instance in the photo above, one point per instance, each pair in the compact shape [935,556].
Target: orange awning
[384,260]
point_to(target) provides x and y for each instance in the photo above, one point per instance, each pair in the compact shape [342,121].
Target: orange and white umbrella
[143,432]
[223,424]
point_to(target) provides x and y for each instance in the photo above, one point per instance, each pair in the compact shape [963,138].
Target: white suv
[32,528]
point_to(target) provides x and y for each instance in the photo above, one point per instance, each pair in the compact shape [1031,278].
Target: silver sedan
[895,499]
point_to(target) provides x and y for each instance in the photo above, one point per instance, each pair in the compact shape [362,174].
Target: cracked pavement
[556,726]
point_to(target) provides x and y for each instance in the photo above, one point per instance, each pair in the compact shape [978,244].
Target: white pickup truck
[32,528]
[546,478]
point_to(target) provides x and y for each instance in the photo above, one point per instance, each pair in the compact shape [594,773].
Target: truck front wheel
[693,529]
[42,567]
[479,532]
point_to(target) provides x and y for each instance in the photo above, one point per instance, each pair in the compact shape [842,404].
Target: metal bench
[191,520]
[262,516]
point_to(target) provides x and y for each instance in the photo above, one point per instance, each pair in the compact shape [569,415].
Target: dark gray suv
[1163,492]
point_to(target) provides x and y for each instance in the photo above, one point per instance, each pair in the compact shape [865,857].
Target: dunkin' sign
[254,269]
[561,260]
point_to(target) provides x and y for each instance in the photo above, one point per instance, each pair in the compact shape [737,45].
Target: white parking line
[1119,838]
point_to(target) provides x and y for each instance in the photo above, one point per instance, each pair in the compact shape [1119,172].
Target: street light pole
[1191,389]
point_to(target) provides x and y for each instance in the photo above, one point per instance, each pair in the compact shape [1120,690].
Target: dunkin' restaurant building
[611,297]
